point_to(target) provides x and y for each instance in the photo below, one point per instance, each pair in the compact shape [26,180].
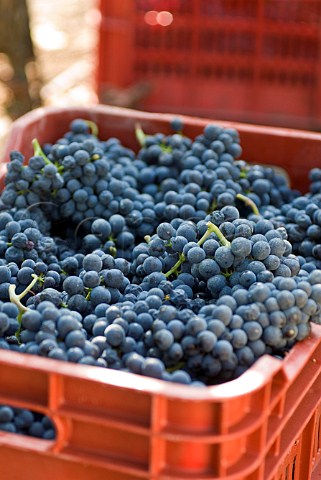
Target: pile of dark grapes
[179,261]
[26,422]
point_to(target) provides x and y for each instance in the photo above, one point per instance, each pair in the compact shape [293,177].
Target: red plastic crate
[113,425]
[256,61]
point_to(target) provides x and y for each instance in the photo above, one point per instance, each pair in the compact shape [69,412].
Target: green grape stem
[14,298]
[19,318]
[211,228]
[179,262]
[93,127]
[178,366]
[249,202]
[39,152]
[140,135]
[213,206]
[166,148]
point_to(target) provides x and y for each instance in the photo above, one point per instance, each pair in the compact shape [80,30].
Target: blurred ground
[64,35]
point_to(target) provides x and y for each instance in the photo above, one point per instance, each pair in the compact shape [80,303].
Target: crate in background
[255,61]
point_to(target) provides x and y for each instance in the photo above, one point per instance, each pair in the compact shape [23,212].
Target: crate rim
[257,376]
[253,379]
[37,114]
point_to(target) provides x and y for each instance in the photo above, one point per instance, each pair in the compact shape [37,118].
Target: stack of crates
[256,61]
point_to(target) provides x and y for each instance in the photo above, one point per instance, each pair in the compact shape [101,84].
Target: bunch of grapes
[180,262]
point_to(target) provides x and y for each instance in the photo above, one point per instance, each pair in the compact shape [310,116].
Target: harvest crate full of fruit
[160,292]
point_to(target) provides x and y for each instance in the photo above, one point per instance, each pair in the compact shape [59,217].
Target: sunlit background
[64,36]
[163,18]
